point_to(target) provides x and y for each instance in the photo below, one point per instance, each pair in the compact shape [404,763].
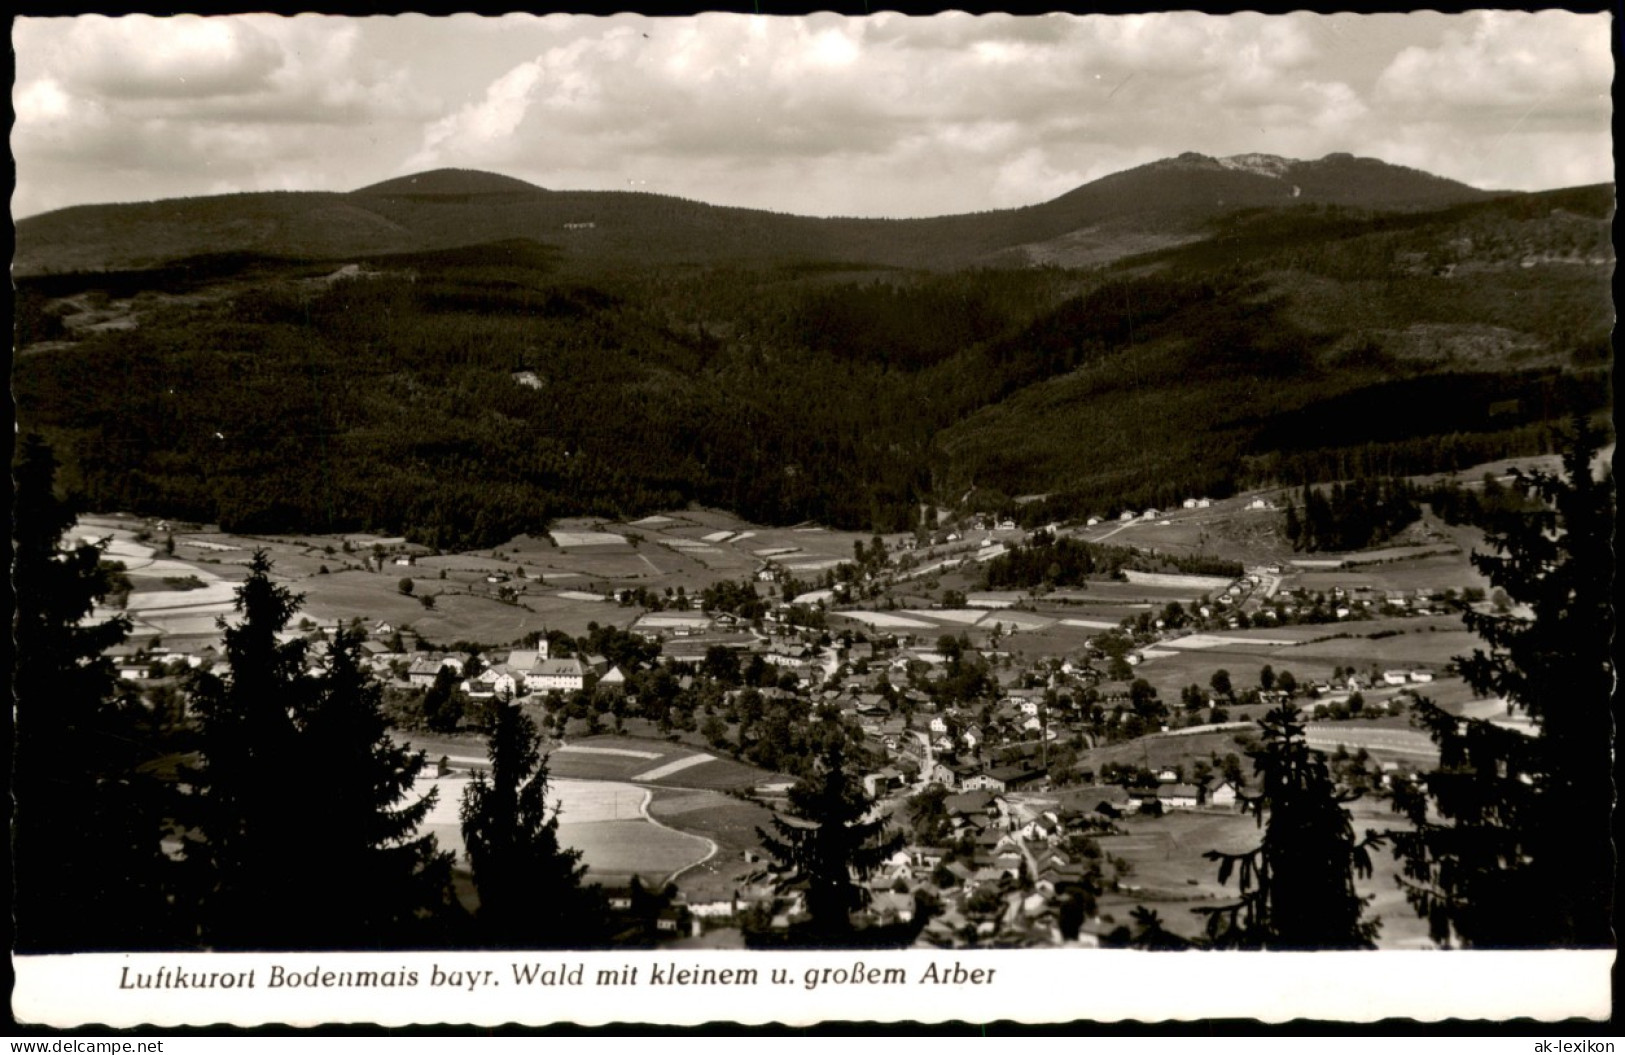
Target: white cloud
[42,101]
[139,56]
[477,129]
[1504,60]
[883,115]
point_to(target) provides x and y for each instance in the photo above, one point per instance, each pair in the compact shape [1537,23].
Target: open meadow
[607,821]
[1167,871]
[729,822]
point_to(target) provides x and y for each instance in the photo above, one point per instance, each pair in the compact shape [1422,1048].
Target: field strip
[652,521]
[816,565]
[1200,583]
[625,752]
[1156,653]
[1398,741]
[743,535]
[694,621]
[669,768]
[718,536]
[1092,624]
[967,616]
[887,619]
[1019,622]
[579,595]
[777,551]
[1216,641]
[567,539]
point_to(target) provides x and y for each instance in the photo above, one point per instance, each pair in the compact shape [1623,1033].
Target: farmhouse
[952,774]
[792,656]
[563,675]
[877,784]
[494,682]
[1179,796]
[1006,778]
[422,672]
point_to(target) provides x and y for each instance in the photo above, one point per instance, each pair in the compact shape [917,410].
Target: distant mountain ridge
[1163,203]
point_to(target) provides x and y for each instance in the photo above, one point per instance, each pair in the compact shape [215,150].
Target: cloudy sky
[822,115]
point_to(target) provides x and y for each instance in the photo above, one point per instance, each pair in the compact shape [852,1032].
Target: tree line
[1045,560]
[1350,516]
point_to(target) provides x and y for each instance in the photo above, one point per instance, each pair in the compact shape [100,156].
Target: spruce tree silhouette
[88,866]
[1510,844]
[1297,886]
[826,848]
[530,887]
[301,835]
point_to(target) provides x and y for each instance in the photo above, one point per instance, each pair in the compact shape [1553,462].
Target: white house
[1178,796]
[563,675]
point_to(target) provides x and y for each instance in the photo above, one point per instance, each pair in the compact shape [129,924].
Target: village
[1056,759]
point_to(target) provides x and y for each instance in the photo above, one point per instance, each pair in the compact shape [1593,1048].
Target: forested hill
[466,392]
[1163,203]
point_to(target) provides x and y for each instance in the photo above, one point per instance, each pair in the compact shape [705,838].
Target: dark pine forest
[462,395]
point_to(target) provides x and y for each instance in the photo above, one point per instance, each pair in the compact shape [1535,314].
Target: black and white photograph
[786,518]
